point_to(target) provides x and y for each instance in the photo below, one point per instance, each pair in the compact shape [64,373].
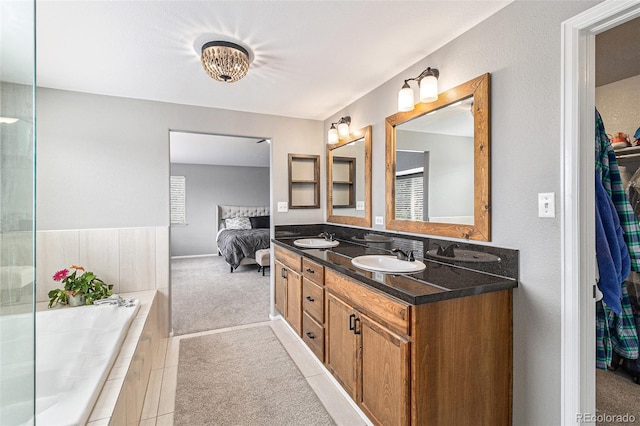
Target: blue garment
[614,263]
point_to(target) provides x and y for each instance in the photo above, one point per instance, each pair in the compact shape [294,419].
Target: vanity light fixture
[7,120]
[341,132]
[225,61]
[428,83]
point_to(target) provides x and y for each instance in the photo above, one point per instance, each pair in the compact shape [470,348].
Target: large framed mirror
[438,165]
[349,179]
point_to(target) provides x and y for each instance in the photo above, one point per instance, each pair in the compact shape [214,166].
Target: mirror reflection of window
[410,196]
[445,139]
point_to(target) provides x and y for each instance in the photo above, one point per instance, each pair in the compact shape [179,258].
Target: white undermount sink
[387,264]
[315,243]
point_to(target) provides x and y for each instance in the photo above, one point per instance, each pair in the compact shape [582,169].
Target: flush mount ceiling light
[428,82]
[341,132]
[225,61]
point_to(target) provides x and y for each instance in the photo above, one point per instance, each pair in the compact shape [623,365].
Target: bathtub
[75,349]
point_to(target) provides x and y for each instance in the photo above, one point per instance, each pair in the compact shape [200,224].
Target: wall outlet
[379,220]
[546,204]
[283,207]
[359,205]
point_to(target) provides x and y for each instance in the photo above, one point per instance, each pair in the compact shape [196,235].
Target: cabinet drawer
[313,336]
[313,299]
[288,258]
[392,312]
[313,271]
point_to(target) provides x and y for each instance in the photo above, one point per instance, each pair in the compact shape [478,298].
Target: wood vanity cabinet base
[442,363]
[462,361]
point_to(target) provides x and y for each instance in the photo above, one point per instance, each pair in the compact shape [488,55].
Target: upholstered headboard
[226,212]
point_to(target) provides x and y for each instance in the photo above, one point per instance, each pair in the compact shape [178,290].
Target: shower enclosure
[17,212]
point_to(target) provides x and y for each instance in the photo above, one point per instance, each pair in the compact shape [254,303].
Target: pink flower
[61,274]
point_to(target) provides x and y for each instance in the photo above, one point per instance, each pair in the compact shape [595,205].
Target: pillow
[237,223]
[260,221]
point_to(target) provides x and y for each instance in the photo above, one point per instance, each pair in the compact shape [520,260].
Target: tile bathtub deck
[160,397]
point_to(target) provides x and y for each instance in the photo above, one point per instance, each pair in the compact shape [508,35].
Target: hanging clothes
[615,326]
[612,254]
[607,169]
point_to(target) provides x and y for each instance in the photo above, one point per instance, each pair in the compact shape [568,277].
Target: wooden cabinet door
[341,343]
[294,300]
[280,295]
[383,390]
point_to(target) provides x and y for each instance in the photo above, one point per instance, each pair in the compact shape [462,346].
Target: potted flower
[78,289]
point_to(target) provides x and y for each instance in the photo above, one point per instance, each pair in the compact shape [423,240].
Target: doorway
[578,201]
[208,171]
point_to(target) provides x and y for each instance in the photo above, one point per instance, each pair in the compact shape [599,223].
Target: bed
[242,230]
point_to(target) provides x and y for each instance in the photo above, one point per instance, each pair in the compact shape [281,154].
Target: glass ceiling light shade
[333,135]
[225,61]
[428,82]
[405,98]
[341,132]
[429,86]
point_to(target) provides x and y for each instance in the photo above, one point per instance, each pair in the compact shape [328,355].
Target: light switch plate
[283,207]
[546,204]
[359,205]
[379,220]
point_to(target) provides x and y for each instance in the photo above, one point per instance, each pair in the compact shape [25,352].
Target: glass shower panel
[17,183]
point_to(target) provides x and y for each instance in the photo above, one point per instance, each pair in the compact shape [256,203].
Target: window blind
[178,200]
[410,196]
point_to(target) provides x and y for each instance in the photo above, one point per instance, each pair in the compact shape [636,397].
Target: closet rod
[623,156]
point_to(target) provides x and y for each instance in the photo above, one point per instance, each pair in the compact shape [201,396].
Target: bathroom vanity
[431,348]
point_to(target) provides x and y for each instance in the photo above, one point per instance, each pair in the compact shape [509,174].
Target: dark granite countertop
[439,281]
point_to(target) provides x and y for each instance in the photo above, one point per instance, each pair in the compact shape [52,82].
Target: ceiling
[309,58]
[617,53]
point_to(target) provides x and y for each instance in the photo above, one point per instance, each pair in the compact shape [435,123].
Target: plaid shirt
[616,332]
[607,168]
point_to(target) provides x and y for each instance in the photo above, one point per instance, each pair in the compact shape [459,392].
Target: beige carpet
[206,296]
[243,377]
[616,395]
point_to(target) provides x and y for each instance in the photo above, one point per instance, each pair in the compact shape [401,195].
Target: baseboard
[193,255]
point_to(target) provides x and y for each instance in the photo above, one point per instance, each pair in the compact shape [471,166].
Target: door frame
[578,383]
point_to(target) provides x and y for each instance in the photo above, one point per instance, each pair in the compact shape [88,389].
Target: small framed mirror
[349,179]
[438,165]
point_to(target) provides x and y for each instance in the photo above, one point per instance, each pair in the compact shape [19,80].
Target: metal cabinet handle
[356,329]
[311,271]
[352,326]
[310,335]
[310,299]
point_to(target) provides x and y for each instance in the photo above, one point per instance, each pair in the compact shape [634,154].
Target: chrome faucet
[327,236]
[401,255]
[447,252]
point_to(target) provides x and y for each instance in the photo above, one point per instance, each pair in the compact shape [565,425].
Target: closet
[618,103]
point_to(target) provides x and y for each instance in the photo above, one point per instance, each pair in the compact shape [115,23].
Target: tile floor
[160,398]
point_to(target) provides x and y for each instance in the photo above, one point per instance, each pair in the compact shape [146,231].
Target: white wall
[520,47]
[103,162]
[206,187]
[618,105]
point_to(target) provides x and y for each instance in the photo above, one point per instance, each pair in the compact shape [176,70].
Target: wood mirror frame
[364,133]
[481,228]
